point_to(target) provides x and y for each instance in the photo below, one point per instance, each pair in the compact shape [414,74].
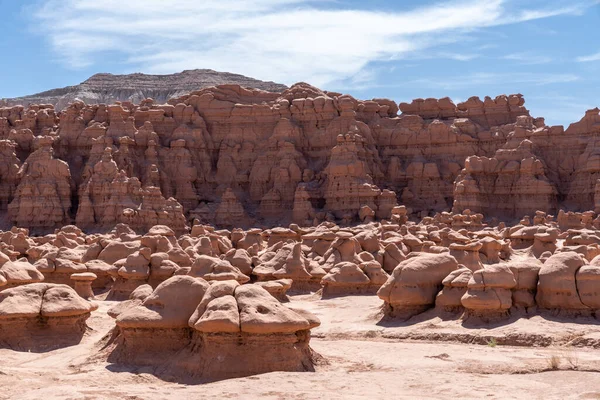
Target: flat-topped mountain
[108,88]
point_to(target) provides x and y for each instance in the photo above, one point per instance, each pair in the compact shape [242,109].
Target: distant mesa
[108,88]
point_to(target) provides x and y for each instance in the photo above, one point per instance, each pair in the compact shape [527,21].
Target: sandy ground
[362,358]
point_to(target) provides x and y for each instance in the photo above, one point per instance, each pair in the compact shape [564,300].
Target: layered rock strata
[42,317]
[233,156]
[211,332]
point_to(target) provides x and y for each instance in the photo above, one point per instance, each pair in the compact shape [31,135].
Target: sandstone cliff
[233,156]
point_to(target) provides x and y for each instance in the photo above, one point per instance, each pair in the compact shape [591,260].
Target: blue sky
[548,50]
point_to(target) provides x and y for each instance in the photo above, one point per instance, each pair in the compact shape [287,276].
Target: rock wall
[234,157]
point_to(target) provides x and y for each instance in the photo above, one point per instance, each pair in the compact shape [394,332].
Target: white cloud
[592,57]
[528,59]
[280,40]
[442,55]
[487,46]
[460,57]
[558,108]
[484,79]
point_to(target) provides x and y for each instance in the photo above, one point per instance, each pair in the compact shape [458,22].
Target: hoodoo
[232,156]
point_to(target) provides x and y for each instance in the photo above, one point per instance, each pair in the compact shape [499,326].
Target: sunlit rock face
[238,157]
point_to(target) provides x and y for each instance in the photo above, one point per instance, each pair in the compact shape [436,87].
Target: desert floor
[362,356]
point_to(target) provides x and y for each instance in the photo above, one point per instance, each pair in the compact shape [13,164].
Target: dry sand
[362,357]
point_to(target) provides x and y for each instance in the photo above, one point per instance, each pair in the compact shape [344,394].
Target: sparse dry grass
[554,362]
[567,359]
[571,358]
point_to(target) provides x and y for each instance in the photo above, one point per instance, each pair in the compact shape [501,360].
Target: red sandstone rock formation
[415,283]
[42,317]
[233,157]
[211,332]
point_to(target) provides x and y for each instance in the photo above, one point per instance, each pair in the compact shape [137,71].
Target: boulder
[413,286]
[557,285]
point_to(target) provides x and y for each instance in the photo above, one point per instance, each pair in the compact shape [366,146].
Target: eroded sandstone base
[42,334]
[189,356]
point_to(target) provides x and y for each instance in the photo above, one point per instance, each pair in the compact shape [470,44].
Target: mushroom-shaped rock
[42,317]
[455,286]
[280,234]
[522,237]
[44,265]
[294,266]
[241,259]
[63,269]
[277,288]
[576,238]
[106,273]
[75,255]
[179,256]
[544,241]
[415,283]
[242,330]
[375,272]
[21,272]
[218,310]
[319,241]
[92,252]
[156,329]
[168,307]
[215,269]
[260,313]
[490,249]
[412,242]
[467,254]
[350,278]
[366,214]
[589,252]
[489,291]
[392,257]
[83,284]
[163,271]
[63,301]
[368,240]
[116,250]
[345,277]
[289,262]
[204,247]
[557,285]
[135,298]
[526,274]
[220,315]
[157,259]
[344,248]
[3,259]
[161,230]
[251,238]
[135,271]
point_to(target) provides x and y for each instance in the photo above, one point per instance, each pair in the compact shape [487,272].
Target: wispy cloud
[559,108]
[282,40]
[488,79]
[592,57]
[443,55]
[528,59]
[487,46]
